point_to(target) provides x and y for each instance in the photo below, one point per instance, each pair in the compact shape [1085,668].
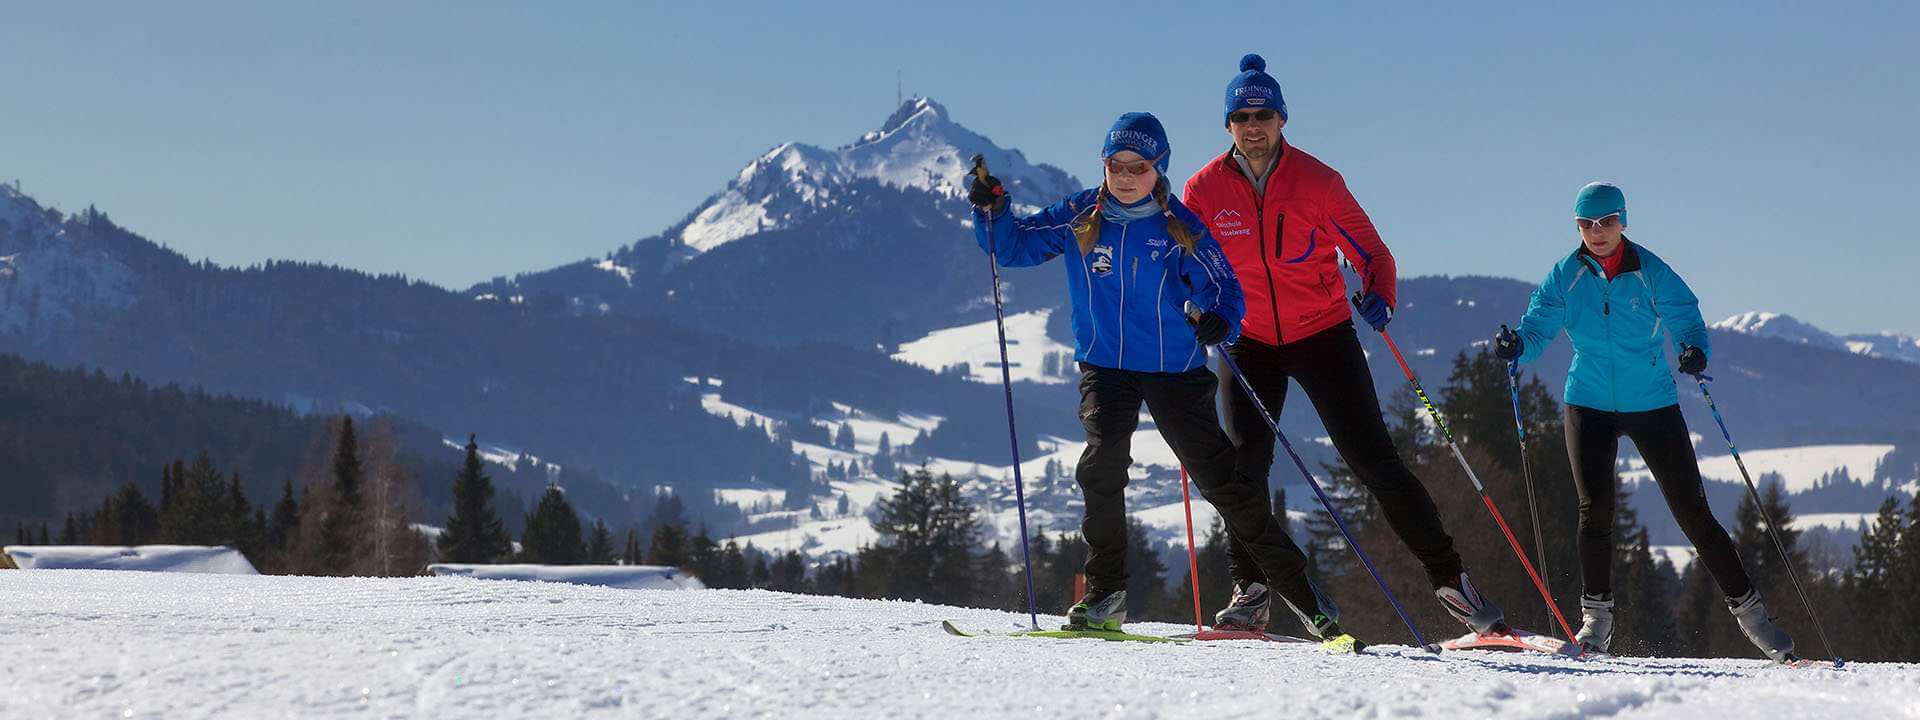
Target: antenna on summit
[899,94]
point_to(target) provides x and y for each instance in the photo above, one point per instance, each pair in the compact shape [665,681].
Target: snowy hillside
[121,644]
[1801,467]
[46,277]
[978,347]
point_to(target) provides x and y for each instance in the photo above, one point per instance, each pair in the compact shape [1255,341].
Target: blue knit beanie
[1141,133]
[1598,200]
[1254,88]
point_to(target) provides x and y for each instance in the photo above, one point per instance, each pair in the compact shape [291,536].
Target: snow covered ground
[126,644]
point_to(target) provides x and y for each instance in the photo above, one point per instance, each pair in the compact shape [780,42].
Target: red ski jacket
[1282,245]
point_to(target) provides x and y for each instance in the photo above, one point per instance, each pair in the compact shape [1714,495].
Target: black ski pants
[1332,369]
[1593,445]
[1182,408]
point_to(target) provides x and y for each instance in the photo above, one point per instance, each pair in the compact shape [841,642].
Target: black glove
[1693,360]
[1210,329]
[987,193]
[1507,344]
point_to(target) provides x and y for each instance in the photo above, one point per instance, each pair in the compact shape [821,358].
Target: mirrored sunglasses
[1607,222]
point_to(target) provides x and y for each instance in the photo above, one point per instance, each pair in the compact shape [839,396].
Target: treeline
[349,514]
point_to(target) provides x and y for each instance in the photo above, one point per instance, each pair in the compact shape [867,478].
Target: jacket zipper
[1260,218]
[1120,359]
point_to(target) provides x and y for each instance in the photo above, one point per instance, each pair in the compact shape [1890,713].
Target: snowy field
[127,644]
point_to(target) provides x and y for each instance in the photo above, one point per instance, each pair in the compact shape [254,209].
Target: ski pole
[1485,499]
[1006,381]
[1274,425]
[1526,471]
[1772,531]
[1193,560]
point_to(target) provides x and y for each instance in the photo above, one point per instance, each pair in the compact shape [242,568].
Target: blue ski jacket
[1128,292]
[1615,328]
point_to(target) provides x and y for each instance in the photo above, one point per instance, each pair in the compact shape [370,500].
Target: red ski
[1514,641]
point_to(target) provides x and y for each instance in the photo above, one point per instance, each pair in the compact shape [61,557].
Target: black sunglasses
[1246,116]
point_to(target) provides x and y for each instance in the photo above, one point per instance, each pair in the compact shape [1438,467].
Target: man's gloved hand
[1375,310]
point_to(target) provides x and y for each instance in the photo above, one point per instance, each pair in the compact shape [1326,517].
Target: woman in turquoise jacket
[1614,298]
[1136,259]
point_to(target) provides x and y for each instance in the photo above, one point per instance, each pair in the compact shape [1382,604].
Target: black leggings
[1332,369]
[1593,444]
[1182,407]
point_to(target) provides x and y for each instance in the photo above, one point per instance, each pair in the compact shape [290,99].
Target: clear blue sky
[1767,150]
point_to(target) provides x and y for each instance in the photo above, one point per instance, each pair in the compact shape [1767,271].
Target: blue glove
[1373,309]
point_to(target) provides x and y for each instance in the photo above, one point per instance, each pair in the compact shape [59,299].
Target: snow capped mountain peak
[1780,326]
[921,110]
[918,148]
[1887,345]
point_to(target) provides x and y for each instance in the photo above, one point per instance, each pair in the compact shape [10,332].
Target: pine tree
[760,576]
[284,526]
[790,573]
[553,531]
[1905,582]
[703,558]
[242,535]
[1870,584]
[341,528]
[929,528]
[669,546]
[1146,572]
[883,464]
[475,533]
[733,566]
[600,544]
[1701,605]
[136,519]
[198,512]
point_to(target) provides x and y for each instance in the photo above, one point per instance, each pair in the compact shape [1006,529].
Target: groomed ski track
[132,644]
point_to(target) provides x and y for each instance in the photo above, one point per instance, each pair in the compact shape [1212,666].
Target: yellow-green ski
[1114,635]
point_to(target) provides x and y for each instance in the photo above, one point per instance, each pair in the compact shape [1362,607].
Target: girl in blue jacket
[1134,258]
[1613,298]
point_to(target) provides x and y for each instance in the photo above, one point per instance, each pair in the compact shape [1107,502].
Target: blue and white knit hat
[1254,88]
[1141,133]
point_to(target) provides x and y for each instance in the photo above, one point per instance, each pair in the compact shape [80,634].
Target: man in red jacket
[1281,215]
